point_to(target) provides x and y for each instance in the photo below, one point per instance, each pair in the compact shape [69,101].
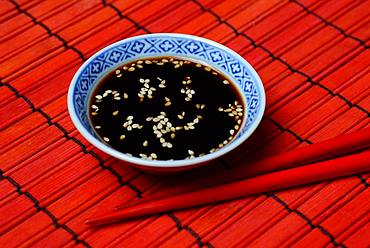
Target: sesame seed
[197,105]
[97,127]
[139,62]
[105,94]
[196,120]
[186,128]
[220,145]
[207,68]
[130,117]
[135,125]
[239,121]
[125,124]
[148,62]
[190,152]
[224,142]
[106,139]
[167,99]
[199,117]
[117,98]
[153,155]
[177,66]
[214,73]
[198,65]
[169,145]
[125,95]
[108,91]
[202,106]
[180,117]
[187,99]
[129,128]
[119,75]
[131,69]
[122,137]
[225,82]
[232,131]
[167,104]
[115,112]
[164,144]
[191,127]
[236,127]
[149,119]
[125,67]
[150,96]
[94,113]
[182,90]
[139,66]
[178,128]
[160,126]
[162,140]
[164,60]
[145,143]
[162,86]
[220,109]
[94,107]
[160,63]
[231,114]
[98,97]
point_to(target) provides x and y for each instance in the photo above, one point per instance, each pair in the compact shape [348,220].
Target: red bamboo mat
[312,56]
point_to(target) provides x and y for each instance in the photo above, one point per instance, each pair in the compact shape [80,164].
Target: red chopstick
[333,147]
[319,171]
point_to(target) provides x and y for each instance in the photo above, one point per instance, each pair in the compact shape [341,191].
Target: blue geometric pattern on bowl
[143,47]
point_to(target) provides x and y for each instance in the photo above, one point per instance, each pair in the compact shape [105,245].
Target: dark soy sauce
[165,108]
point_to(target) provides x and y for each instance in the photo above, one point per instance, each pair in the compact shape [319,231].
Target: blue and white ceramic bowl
[191,47]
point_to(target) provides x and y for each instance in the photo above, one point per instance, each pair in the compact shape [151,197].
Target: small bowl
[221,58]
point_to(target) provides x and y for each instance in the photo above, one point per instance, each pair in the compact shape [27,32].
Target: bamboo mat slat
[313,59]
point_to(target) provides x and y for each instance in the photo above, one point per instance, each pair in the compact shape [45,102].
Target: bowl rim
[165,163]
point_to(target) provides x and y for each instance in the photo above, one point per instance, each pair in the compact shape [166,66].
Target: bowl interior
[177,45]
